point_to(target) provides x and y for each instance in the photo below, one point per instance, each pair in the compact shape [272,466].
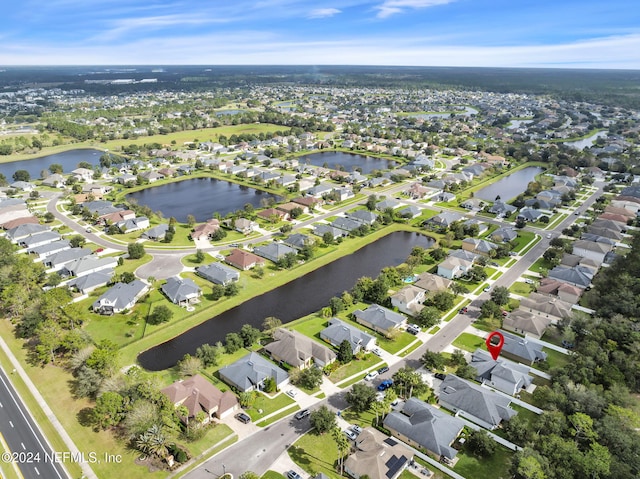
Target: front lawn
[268,405]
[354,367]
[468,342]
[521,289]
[315,454]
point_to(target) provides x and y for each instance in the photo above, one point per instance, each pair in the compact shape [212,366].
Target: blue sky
[484,33]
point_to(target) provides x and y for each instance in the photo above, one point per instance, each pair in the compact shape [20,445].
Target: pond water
[68,159]
[465,111]
[510,186]
[348,161]
[293,300]
[200,197]
[586,142]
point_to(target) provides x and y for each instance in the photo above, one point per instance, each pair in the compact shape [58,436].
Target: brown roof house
[552,308]
[206,230]
[243,259]
[197,394]
[525,322]
[377,456]
[432,282]
[297,350]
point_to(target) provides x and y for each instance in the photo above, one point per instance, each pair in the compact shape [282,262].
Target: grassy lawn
[541,265]
[494,467]
[268,405]
[272,475]
[525,413]
[354,367]
[468,342]
[314,454]
[520,288]
[556,359]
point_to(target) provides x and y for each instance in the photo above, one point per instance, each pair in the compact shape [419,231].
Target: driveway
[162,266]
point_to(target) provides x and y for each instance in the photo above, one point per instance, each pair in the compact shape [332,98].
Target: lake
[348,161]
[510,186]
[466,111]
[290,301]
[586,142]
[68,159]
[200,197]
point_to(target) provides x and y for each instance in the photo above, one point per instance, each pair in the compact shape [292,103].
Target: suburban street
[26,444]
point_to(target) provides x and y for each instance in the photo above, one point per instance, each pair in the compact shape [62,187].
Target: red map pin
[493,347]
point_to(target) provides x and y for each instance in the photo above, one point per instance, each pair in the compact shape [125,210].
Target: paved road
[23,437]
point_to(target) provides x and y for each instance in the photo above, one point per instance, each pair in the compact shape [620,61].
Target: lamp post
[224,470]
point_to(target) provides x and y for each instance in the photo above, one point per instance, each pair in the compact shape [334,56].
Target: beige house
[377,457]
[298,351]
[198,394]
[526,323]
[541,305]
[409,300]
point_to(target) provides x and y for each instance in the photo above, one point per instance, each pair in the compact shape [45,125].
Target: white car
[376,351]
[292,393]
[351,435]
[371,376]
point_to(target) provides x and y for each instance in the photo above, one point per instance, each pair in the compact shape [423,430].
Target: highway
[26,443]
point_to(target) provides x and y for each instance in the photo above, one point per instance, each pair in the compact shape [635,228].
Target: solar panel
[394,464]
[390,442]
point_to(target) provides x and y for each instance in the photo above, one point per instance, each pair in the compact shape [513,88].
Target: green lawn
[556,359]
[354,367]
[494,467]
[268,405]
[468,342]
[520,288]
[314,454]
[272,475]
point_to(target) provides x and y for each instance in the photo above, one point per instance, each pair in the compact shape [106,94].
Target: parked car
[504,313]
[371,376]
[357,429]
[292,393]
[440,376]
[529,281]
[350,434]
[383,369]
[487,289]
[386,384]
[302,414]
[293,475]
[243,418]
[413,329]
[377,351]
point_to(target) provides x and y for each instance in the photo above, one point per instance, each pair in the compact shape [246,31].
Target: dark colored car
[386,384]
[243,418]
[293,475]
[302,414]
[383,370]
[440,376]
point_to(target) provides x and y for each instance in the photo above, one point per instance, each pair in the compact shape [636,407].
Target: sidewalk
[86,468]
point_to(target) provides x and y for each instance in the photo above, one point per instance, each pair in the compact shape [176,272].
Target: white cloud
[324,12]
[391,7]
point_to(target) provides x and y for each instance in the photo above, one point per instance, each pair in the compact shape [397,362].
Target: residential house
[117,217]
[521,349]
[49,249]
[502,209]
[297,350]
[87,264]
[243,260]
[152,176]
[530,215]
[387,203]
[86,284]
[244,226]
[197,394]
[338,331]
[22,231]
[58,260]
[444,220]
[274,251]
[565,291]
[135,224]
[474,204]
[322,228]
[409,299]
[526,323]
[375,456]
[298,241]
[432,282]
[553,308]
[478,246]
[206,230]
[120,297]
[22,185]
[23,220]
[181,291]
[591,250]
[475,403]
[380,319]
[580,276]
[250,372]
[218,273]
[453,267]
[54,181]
[506,376]
[346,224]
[411,211]
[425,427]
[83,174]
[504,235]
[157,233]
[273,215]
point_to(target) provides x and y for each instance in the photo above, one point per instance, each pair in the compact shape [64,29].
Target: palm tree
[153,442]
[343,446]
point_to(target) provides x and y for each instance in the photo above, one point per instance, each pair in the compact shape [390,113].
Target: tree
[490,309]
[527,464]
[427,317]
[152,442]
[345,352]
[322,420]
[21,175]
[327,238]
[160,314]
[270,324]
[442,300]
[360,397]
[209,355]
[200,256]
[466,371]
[108,410]
[135,250]
[249,475]
[438,254]
[342,443]
[189,365]
[432,360]
[406,381]
[500,295]
[191,221]
[249,335]
[217,292]
[232,343]
[310,378]
[231,289]
[336,305]
[480,444]
[371,202]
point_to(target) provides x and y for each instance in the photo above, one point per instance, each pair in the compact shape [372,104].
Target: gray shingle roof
[250,371]
[179,289]
[380,317]
[218,273]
